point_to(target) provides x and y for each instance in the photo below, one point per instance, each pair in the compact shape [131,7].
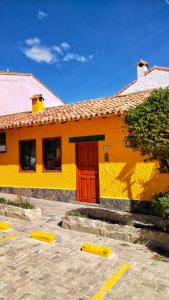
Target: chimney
[37,104]
[142,68]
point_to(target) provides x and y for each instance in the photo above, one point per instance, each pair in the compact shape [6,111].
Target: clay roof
[15,73]
[88,109]
[158,68]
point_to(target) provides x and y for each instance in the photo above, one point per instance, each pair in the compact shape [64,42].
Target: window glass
[52,154]
[2,142]
[28,155]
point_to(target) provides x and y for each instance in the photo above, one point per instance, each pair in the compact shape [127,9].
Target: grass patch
[19,202]
[77,213]
[80,214]
[127,221]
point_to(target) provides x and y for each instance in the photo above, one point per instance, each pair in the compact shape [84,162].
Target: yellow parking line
[4,226]
[111,282]
[7,237]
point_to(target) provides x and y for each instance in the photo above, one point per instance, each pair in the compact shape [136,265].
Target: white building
[16,89]
[147,78]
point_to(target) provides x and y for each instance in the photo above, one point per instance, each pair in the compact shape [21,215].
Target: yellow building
[77,153]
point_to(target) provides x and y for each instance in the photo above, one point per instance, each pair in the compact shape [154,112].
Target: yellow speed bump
[4,226]
[42,236]
[111,282]
[95,249]
[7,237]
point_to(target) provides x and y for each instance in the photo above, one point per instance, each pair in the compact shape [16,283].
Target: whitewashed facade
[155,77]
[16,89]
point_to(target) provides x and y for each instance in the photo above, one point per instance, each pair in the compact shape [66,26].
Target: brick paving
[32,270]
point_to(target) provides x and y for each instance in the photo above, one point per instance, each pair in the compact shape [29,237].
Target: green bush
[161,204]
[19,202]
[148,128]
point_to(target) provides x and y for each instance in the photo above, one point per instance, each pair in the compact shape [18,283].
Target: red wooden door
[87,171]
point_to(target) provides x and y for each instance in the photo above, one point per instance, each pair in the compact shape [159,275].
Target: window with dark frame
[52,154]
[28,155]
[2,142]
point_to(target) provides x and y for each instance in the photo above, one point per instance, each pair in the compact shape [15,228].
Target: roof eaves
[15,73]
[157,68]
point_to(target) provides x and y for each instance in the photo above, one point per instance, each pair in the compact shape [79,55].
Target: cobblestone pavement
[32,270]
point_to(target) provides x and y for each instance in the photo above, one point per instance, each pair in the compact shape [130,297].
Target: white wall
[154,79]
[16,91]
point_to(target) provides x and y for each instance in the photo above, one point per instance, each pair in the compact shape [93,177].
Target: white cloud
[57,49]
[32,41]
[42,15]
[91,56]
[74,56]
[65,45]
[39,54]
[55,54]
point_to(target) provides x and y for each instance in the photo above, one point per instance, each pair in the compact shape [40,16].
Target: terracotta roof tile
[158,68]
[15,73]
[82,110]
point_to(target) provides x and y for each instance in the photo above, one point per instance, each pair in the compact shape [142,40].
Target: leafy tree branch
[148,128]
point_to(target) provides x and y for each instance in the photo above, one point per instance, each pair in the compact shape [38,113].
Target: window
[2,142]
[28,155]
[52,154]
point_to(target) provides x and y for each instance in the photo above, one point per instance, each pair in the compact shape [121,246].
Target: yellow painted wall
[125,176]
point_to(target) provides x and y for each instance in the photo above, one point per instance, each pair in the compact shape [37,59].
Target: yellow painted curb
[42,236]
[95,249]
[111,282]
[4,226]
[7,237]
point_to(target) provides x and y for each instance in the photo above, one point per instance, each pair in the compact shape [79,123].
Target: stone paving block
[31,270]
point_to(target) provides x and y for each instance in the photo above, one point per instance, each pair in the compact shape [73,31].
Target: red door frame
[77,172]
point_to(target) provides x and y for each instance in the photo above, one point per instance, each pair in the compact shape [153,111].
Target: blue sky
[83,48]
